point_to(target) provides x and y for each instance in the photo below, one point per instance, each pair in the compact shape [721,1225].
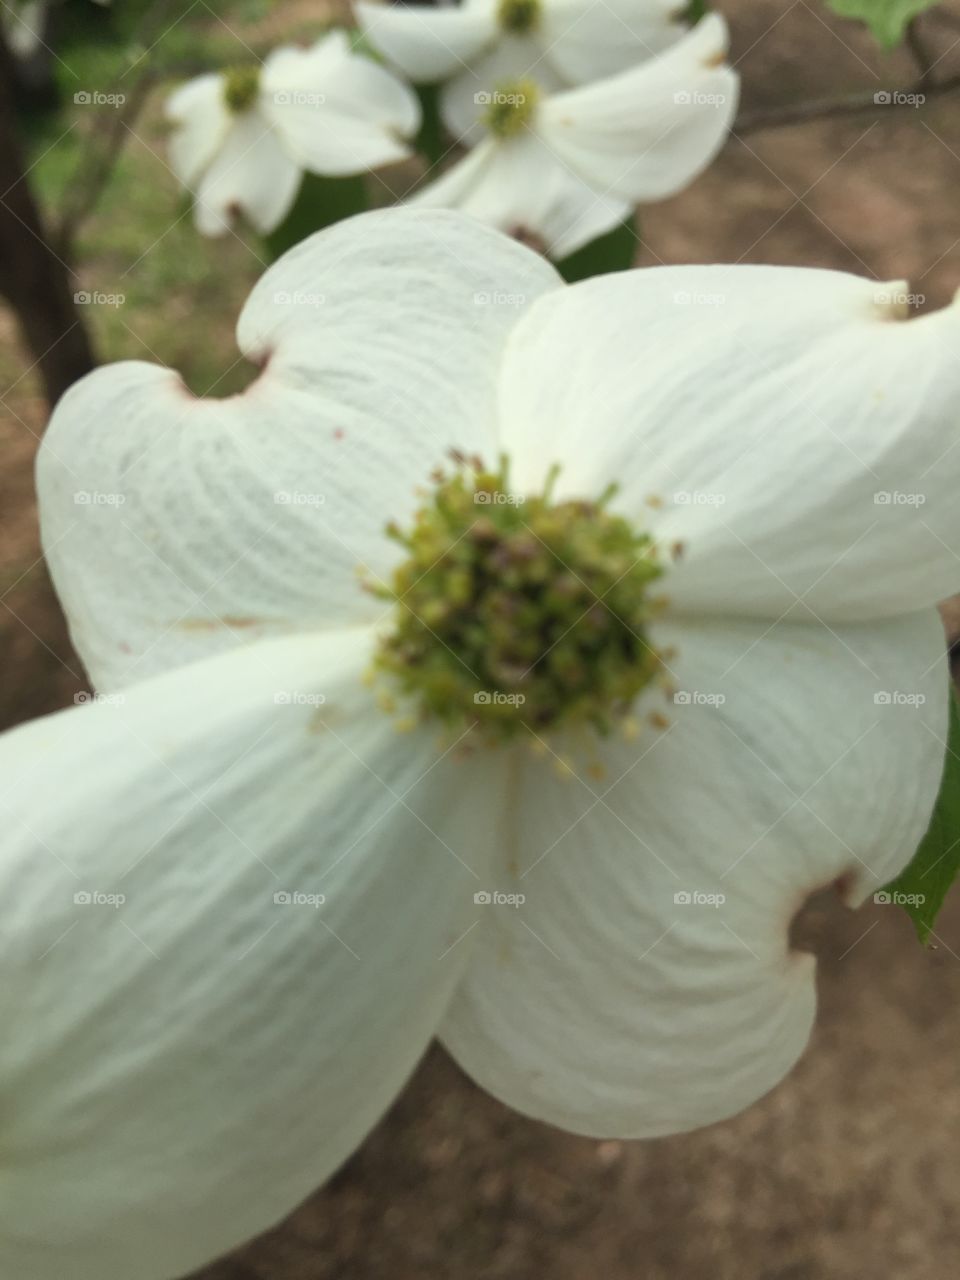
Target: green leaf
[359,43]
[320,202]
[887,19]
[613,252]
[924,883]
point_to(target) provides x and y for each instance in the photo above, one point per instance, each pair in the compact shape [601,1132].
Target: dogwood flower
[563,168]
[482,42]
[239,901]
[243,138]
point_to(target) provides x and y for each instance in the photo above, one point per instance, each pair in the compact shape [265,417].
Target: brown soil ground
[851,1168]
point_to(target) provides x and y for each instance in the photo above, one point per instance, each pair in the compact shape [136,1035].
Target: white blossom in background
[242,139]
[479,43]
[563,168]
[238,903]
[24,26]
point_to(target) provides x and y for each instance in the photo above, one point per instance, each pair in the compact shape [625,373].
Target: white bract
[238,903]
[26,24]
[24,27]
[564,167]
[479,43]
[242,139]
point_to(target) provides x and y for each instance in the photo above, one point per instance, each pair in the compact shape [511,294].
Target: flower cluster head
[519,615]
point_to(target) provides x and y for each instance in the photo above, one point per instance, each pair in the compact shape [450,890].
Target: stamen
[511,107]
[241,86]
[519,17]
[519,615]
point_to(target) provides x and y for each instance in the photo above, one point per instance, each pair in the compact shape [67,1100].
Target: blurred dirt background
[851,1168]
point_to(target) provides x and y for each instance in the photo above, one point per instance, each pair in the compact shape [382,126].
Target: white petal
[648,132]
[252,174]
[464,101]
[338,112]
[181,1068]
[519,187]
[586,40]
[800,434]
[608,1006]
[201,119]
[176,527]
[428,43]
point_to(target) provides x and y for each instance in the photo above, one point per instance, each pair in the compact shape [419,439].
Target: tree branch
[33,278]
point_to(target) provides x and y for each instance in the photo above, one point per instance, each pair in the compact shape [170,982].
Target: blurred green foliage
[887,19]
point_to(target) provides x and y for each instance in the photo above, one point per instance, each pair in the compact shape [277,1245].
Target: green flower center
[240,88]
[519,615]
[510,107]
[518,16]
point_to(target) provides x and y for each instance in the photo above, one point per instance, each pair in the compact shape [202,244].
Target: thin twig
[96,166]
[99,158]
[850,104]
